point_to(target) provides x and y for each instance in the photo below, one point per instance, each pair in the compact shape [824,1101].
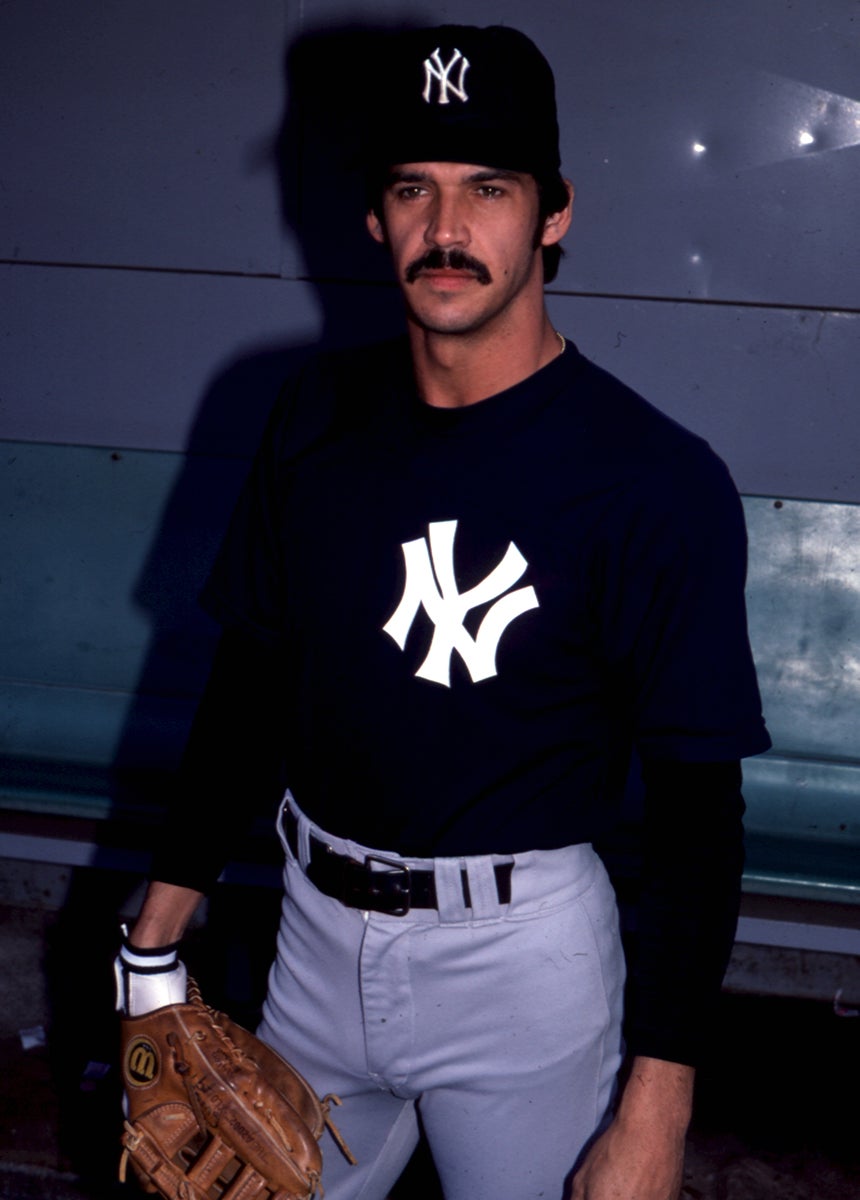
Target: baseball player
[480,577]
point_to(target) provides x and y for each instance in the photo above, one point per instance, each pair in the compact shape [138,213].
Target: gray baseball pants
[498,1026]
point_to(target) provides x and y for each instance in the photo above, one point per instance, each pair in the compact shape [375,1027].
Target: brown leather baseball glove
[214,1113]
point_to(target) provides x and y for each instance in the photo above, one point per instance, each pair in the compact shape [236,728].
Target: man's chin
[447,325]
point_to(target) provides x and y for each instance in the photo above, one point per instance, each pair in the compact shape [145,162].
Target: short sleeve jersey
[478,613]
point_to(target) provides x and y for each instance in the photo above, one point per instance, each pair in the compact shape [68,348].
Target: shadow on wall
[315,153]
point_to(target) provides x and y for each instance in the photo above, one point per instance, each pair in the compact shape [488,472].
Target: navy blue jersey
[479,613]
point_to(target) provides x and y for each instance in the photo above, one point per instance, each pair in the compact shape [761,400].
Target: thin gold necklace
[560,337]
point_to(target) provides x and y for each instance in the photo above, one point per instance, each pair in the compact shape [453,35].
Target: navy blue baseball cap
[459,93]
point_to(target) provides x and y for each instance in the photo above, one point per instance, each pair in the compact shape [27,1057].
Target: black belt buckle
[388,891]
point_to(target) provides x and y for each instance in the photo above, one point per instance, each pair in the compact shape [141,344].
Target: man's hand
[641,1155]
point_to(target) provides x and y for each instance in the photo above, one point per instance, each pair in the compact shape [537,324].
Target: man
[480,573]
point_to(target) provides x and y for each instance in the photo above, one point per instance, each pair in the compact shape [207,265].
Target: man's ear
[375,227]
[557,224]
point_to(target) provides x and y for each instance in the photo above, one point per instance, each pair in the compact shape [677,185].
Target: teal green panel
[103,556]
[780,867]
[804,615]
[102,551]
[803,798]
[811,801]
[104,647]
[92,726]
[803,828]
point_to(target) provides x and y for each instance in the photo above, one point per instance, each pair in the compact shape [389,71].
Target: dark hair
[375,183]
[552,198]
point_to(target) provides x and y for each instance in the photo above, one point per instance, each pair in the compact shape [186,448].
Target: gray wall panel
[774,391]
[127,358]
[714,146]
[139,360]
[141,134]
[687,127]
[137,134]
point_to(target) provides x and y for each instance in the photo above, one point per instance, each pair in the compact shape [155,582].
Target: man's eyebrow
[484,175]
[487,175]
[406,177]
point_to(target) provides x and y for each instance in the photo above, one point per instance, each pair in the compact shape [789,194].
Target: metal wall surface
[774,390]
[141,134]
[713,146]
[713,259]
[804,609]
[159,275]
[104,648]
[131,358]
[767,387]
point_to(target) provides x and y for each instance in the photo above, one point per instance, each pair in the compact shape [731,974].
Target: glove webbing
[209,1175]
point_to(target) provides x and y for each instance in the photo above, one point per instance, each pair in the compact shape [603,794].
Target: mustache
[454,259]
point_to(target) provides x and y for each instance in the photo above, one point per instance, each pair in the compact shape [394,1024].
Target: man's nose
[447,225]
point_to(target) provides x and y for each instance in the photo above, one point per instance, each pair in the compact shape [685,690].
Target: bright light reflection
[809,119]
[698,148]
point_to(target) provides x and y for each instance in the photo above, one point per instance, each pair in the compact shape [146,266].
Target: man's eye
[489,191]
[409,191]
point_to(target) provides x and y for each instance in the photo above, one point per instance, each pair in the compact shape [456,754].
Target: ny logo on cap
[434,68]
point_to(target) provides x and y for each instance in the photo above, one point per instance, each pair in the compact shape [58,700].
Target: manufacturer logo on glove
[141,1062]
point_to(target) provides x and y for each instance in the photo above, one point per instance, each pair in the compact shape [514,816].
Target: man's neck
[455,370]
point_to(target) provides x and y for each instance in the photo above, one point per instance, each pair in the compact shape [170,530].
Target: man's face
[465,243]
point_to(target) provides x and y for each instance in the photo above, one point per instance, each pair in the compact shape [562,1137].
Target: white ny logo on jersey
[435,69]
[430,582]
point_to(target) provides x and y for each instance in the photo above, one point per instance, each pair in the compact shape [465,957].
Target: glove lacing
[239,1057]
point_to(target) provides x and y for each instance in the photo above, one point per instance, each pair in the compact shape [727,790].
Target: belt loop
[304,843]
[483,888]
[449,890]
[303,837]
[281,827]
